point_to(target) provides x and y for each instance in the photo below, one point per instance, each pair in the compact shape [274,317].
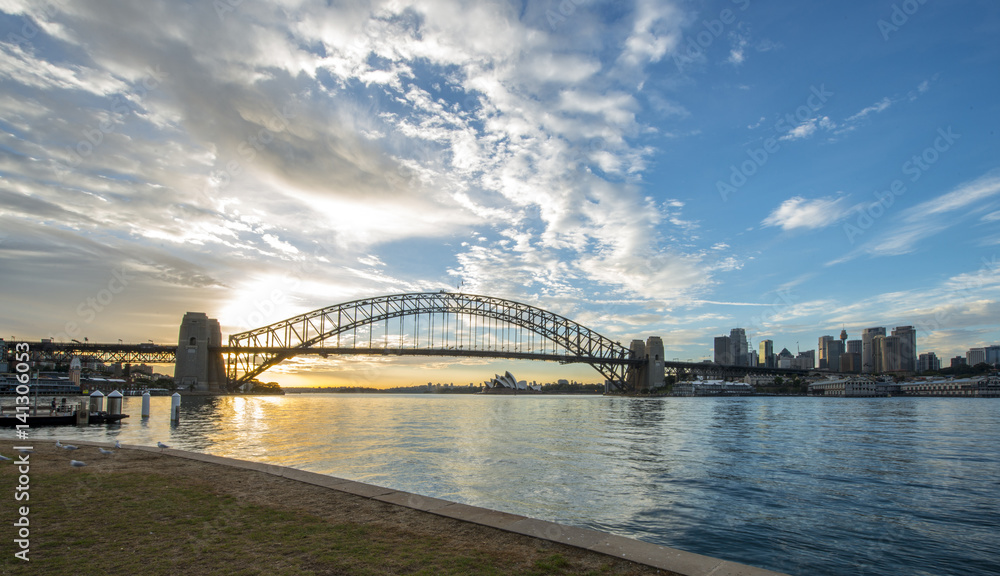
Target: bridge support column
[196,368]
[654,366]
[636,377]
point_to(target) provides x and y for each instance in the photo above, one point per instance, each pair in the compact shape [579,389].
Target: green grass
[85,522]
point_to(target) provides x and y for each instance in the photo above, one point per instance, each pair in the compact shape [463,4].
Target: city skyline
[645,168]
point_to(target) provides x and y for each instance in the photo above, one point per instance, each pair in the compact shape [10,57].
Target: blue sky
[645,168]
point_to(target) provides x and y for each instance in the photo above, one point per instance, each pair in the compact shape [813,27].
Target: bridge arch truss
[440,323]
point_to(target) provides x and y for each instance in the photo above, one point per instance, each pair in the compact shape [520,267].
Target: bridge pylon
[198,369]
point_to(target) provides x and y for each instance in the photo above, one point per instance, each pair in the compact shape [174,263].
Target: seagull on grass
[77,463]
[4,458]
[69,447]
[25,450]
[105,452]
[118,444]
[58,444]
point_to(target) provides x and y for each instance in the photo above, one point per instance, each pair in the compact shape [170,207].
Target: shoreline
[392,507]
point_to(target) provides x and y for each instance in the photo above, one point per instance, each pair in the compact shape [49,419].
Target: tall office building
[740,350]
[975,356]
[869,351]
[891,355]
[829,353]
[992,354]
[907,348]
[723,351]
[823,347]
[929,362]
[766,357]
[853,347]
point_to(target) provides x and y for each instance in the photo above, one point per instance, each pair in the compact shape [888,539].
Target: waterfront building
[868,348]
[975,387]
[929,362]
[852,387]
[975,356]
[907,360]
[766,357]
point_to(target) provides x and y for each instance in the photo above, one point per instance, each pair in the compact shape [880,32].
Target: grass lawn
[151,514]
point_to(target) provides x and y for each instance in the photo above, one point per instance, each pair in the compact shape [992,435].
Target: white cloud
[803,130]
[797,212]
[878,107]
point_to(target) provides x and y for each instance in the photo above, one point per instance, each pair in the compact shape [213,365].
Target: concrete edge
[653,555]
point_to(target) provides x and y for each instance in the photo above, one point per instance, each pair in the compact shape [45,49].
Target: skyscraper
[868,349]
[907,348]
[766,357]
[723,351]
[823,347]
[738,343]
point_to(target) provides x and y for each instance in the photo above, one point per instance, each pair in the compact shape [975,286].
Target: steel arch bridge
[429,324]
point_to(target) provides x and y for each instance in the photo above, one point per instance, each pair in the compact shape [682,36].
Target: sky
[667,168]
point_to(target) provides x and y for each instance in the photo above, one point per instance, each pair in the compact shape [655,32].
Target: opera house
[507,384]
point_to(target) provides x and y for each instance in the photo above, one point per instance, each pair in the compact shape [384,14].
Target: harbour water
[805,486]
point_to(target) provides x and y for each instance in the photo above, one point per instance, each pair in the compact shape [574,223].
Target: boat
[59,419]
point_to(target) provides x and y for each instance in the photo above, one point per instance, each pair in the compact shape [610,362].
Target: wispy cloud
[798,212]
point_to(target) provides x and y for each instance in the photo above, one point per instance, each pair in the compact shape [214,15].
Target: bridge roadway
[166,354]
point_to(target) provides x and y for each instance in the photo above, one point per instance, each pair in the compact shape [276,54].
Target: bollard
[145,405]
[82,415]
[97,401]
[175,407]
[115,402]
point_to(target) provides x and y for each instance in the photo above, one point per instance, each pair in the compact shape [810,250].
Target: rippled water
[800,485]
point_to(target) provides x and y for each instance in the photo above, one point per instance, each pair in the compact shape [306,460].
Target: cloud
[803,130]
[797,212]
[876,108]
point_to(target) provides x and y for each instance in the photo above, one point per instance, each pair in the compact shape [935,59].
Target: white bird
[25,450]
[161,445]
[58,444]
[69,447]
[77,463]
[3,458]
[118,444]
[105,452]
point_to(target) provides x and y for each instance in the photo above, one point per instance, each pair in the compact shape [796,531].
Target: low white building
[853,387]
